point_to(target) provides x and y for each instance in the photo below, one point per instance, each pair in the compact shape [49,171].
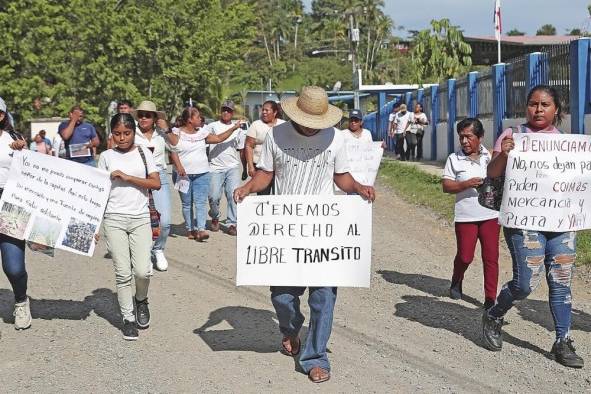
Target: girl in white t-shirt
[464,172]
[127,221]
[12,249]
[189,142]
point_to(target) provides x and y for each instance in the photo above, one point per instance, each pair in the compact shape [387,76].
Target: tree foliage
[546,30]
[94,51]
[439,53]
[515,32]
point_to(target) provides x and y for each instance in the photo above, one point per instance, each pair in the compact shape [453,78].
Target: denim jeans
[226,181]
[533,253]
[13,264]
[321,300]
[129,240]
[196,196]
[162,202]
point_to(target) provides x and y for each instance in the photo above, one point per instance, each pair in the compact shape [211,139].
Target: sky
[475,17]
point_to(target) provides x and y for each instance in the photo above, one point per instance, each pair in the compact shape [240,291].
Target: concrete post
[579,83]
[451,114]
[434,120]
[472,94]
[499,97]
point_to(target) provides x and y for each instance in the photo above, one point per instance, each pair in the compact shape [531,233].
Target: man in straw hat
[80,137]
[306,156]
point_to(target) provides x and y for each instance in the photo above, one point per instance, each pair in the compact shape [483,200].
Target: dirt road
[402,335]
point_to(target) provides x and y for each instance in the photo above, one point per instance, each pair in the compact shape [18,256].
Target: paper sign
[182,184]
[54,202]
[304,241]
[548,183]
[364,160]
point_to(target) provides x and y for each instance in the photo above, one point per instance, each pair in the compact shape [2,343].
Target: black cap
[356,113]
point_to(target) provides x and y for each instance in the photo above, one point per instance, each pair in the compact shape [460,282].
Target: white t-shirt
[418,122]
[365,135]
[259,130]
[304,165]
[158,142]
[5,157]
[125,198]
[224,156]
[401,121]
[59,148]
[460,167]
[391,117]
[192,151]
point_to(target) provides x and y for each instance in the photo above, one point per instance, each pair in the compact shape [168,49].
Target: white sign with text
[548,183]
[304,241]
[54,202]
[364,160]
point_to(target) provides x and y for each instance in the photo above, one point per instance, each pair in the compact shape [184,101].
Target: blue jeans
[534,253]
[321,300]
[162,202]
[196,196]
[226,181]
[13,264]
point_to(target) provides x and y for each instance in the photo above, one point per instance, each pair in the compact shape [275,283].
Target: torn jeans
[534,253]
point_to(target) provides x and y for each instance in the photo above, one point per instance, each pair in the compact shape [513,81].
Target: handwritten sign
[304,241]
[54,202]
[548,183]
[364,160]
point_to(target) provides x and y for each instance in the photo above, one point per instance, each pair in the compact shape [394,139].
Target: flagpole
[498,28]
[499,50]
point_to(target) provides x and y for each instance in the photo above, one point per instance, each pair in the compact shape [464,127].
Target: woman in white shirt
[12,249]
[152,135]
[127,220]
[464,172]
[255,136]
[192,164]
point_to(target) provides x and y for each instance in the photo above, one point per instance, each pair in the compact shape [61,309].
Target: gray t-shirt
[304,165]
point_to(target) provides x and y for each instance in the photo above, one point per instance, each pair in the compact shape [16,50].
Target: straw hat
[148,106]
[311,109]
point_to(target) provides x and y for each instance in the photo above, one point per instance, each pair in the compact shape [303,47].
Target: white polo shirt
[460,167]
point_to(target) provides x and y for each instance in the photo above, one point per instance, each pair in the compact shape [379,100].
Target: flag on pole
[497,20]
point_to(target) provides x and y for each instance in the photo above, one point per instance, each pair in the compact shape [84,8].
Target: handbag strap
[150,196]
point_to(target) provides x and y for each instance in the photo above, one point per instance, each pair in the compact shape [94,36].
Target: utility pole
[353,40]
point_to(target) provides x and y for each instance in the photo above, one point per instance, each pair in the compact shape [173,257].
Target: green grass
[418,187]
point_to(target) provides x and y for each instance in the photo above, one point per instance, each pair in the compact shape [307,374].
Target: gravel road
[401,335]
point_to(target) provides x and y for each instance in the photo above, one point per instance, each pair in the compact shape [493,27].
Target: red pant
[487,232]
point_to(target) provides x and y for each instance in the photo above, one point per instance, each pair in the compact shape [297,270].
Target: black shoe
[491,332]
[142,313]
[564,353]
[455,291]
[129,331]
[488,304]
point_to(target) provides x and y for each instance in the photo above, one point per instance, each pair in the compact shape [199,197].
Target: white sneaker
[22,315]
[161,262]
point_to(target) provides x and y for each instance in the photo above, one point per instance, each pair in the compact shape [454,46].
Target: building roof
[525,40]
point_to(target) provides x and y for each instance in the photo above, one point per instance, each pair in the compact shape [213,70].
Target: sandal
[318,375]
[291,341]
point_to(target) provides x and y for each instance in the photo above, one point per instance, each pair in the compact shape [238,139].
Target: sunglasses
[144,114]
[227,109]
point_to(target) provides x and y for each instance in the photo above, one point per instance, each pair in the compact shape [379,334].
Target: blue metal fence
[500,92]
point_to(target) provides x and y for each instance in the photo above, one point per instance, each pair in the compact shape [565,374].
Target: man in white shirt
[305,156]
[224,163]
[401,124]
[356,130]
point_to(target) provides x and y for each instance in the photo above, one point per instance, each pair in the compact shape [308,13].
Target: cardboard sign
[304,241]
[54,202]
[548,183]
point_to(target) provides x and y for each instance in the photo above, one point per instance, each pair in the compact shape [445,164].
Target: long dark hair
[186,115]
[5,123]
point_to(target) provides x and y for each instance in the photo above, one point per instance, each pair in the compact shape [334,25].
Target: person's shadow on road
[253,330]
[535,311]
[102,301]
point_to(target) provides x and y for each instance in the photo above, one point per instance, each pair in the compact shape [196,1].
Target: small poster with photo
[79,150]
